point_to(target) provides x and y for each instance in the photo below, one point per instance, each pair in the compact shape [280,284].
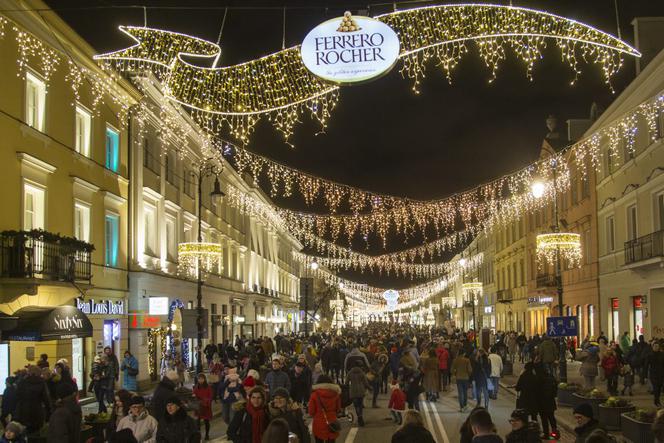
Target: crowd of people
[269,388]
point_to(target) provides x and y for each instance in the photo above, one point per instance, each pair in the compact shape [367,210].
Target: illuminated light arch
[280,87]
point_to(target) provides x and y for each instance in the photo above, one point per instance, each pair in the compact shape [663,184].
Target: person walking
[358,385]
[412,430]
[129,372]
[496,363]
[655,368]
[397,403]
[277,378]
[324,403]
[589,360]
[64,425]
[113,373]
[431,375]
[177,426]
[249,422]
[203,392]
[611,366]
[481,371]
[527,387]
[300,383]
[282,407]
[462,371]
[546,402]
[548,354]
[99,377]
[139,422]
[9,400]
[443,354]
[165,390]
[33,403]
[523,430]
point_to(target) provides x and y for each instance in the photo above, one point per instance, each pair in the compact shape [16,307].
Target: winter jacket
[325,402]
[412,433]
[293,415]
[547,393]
[582,432]
[9,400]
[355,356]
[461,368]
[204,395]
[178,428]
[395,357]
[277,379]
[129,381]
[143,427]
[625,343]
[443,358]
[496,365]
[240,429]
[64,425]
[113,367]
[656,367]
[358,384]
[589,362]
[165,390]
[548,351]
[481,370]
[528,434]
[33,404]
[528,389]
[300,384]
[611,365]
[431,381]
[397,400]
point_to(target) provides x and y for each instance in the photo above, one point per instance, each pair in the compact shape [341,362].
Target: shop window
[33,207]
[82,222]
[637,310]
[112,149]
[112,239]
[591,316]
[35,101]
[83,131]
[615,318]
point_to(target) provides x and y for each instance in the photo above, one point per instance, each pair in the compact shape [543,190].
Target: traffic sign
[562,326]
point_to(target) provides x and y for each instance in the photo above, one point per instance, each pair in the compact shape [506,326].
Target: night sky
[382,137]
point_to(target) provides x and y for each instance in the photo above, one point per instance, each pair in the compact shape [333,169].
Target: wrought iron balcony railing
[546,281]
[644,248]
[43,255]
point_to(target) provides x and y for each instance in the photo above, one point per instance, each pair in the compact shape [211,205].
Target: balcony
[42,255]
[546,281]
[645,250]
[504,296]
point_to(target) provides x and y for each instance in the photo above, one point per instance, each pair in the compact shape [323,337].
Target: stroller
[346,411]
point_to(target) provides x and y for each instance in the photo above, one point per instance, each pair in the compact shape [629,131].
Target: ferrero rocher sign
[350,49]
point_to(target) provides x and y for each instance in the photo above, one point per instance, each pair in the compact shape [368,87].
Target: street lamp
[206,169]
[550,248]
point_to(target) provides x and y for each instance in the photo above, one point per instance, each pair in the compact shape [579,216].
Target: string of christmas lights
[280,87]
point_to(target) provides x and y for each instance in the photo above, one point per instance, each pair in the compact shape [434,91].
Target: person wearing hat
[165,390]
[177,426]
[523,430]
[65,421]
[13,433]
[300,383]
[283,407]
[251,418]
[143,426]
[583,414]
[230,391]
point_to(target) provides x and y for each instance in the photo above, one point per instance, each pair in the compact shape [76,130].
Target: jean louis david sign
[347,50]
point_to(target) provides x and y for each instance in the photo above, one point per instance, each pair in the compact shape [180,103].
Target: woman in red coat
[203,392]
[324,403]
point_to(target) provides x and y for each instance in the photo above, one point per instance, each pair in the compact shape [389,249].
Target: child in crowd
[397,402]
[628,379]
[13,433]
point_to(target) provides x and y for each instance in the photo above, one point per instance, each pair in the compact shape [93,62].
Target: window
[608,162]
[587,250]
[149,158]
[659,211]
[149,226]
[610,234]
[189,182]
[170,165]
[514,280]
[35,101]
[33,208]
[522,269]
[574,186]
[171,240]
[632,223]
[628,152]
[83,125]
[82,222]
[111,239]
[112,149]
[585,187]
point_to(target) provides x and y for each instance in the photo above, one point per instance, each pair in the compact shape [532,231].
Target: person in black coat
[523,430]
[176,426]
[165,390]
[250,415]
[300,381]
[546,401]
[412,430]
[34,403]
[64,425]
[282,407]
[9,400]
[528,388]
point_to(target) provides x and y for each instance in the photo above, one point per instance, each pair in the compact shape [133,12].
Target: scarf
[258,422]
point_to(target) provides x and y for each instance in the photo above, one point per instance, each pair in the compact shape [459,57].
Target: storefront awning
[48,323]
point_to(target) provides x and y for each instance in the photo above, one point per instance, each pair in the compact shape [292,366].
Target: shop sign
[615,304]
[101,307]
[488,309]
[158,306]
[539,300]
[350,49]
[261,318]
[142,320]
[239,319]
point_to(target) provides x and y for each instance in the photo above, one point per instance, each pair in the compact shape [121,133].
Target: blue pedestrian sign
[562,326]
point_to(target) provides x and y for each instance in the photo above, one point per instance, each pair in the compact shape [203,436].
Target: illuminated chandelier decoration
[192,253]
[567,243]
[472,290]
[391,296]
[281,88]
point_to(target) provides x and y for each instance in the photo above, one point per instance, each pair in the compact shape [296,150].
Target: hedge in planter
[593,397]
[611,410]
[636,426]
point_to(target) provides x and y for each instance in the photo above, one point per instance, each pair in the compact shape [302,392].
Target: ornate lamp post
[471,292]
[552,247]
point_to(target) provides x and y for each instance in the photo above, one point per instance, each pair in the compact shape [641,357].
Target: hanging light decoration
[568,243]
[471,289]
[192,253]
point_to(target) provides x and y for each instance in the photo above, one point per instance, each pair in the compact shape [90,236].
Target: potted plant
[636,426]
[565,391]
[593,397]
[611,410]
